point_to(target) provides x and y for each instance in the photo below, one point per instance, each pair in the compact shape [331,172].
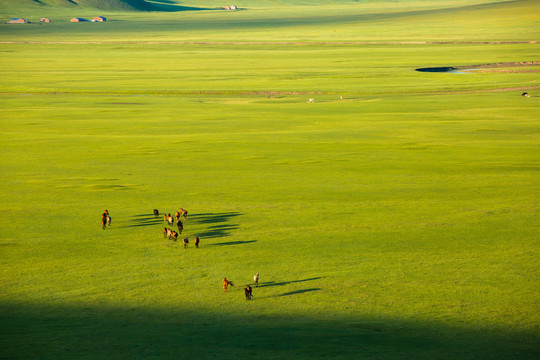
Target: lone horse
[226,284]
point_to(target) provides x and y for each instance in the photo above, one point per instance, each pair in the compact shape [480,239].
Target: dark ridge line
[272,43]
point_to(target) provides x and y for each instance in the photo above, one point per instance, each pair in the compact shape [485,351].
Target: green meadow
[395,217]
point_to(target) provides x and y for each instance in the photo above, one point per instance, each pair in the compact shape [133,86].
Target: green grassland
[394,218]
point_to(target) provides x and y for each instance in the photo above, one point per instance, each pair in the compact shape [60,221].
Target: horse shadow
[302,291]
[281,283]
[233,243]
[212,218]
[143,220]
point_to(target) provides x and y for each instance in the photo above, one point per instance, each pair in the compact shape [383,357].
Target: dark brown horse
[248,293]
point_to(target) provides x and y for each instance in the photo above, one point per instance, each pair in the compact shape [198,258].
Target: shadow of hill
[94,332]
[171,6]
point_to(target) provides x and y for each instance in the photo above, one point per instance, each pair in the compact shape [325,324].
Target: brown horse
[180,226]
[174,235]
[226,284]
[183,212]
[186,242]
[197,242]
[248,293]
[166,232]
[104,220]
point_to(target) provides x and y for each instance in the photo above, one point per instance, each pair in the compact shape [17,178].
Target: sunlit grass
[395,217]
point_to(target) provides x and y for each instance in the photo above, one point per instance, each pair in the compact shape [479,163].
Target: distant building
[99,19]
[47,20]
[18,21]
[78,20]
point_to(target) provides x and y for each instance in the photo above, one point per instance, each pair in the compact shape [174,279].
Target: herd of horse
[173,235]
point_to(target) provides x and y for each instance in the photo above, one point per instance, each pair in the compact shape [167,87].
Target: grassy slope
[400,222]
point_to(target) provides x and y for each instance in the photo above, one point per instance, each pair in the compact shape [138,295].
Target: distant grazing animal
[183,212]
[177,215]
[197,242]
[104,220]
[186,242]
[167,232]
[156,212]
[525,94]
[226,284]
[174,235]
[170,219]
[180,226]
[109,220]
[256,279]
[311,101]
[248,293]
[165,217]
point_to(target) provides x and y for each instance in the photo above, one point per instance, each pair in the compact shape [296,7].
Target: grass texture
[396,217]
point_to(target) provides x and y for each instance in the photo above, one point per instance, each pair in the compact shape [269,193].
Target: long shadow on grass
[31,331]
[142,220]
[212,218]
[302,291]
[233,243]
[218,226]
[170,6]
[281,283]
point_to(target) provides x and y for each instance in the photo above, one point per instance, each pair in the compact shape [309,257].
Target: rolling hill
[120,5]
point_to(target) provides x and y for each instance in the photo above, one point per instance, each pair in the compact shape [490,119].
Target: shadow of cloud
[101,332]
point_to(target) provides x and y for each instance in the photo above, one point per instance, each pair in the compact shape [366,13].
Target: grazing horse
[156,212]
[177,215]
[166,232]
[183,212]
[180,226]
[226,284]
[525,94]
[104,220]
[109,220]
[170,219]
[174,235]
[197,242]
[256,279]
[186,242]
[248,293]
